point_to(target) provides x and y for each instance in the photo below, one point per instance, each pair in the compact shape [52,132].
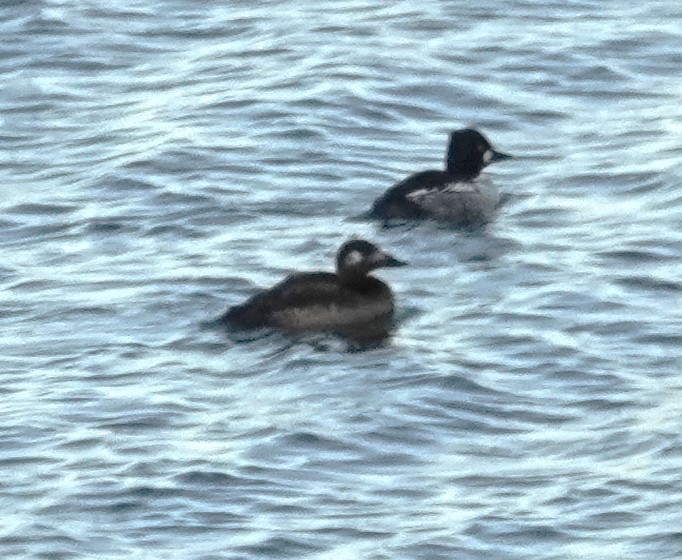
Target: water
[163,159]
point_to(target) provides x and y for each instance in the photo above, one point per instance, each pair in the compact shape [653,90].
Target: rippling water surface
[164,159]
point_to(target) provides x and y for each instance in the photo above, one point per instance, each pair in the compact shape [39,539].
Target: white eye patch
[354,257]
[487,156]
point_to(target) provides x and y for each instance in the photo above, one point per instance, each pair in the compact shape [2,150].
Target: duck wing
[399,201]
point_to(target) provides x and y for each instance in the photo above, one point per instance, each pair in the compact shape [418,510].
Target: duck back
[315,301]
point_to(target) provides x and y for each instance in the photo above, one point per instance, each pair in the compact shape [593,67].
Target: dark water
[163,159]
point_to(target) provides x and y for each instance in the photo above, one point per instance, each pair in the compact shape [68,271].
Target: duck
[457,195]
[349,300]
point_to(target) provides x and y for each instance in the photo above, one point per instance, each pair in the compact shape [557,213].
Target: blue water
[162,160]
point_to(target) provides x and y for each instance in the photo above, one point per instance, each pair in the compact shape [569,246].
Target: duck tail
[242,317]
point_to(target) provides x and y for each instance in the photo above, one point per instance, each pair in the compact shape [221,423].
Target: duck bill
[390,261]
[499,156]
